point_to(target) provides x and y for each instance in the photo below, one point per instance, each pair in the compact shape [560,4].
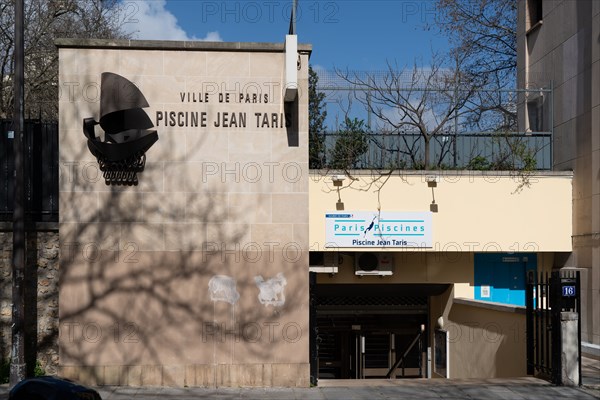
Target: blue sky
[354,34]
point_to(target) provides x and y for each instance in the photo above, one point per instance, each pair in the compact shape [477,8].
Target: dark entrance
[372,331]
[363,346]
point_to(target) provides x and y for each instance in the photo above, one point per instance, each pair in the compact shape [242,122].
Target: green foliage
[39,370]
[5,370]
[316,122]
[419,165]
[350,145]
[529,162]
[478,163]
[395,164]
[514,155]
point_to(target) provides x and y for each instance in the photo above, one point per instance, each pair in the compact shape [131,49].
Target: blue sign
[569,291]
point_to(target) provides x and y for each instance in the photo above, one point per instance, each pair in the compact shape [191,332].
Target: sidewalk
[590,371]
[495,389]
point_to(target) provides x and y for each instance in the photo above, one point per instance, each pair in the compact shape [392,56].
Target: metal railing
[408,114]
[475,151]
[547,296]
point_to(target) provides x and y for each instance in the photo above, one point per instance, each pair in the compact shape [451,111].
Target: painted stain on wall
[272,290]
[222,288]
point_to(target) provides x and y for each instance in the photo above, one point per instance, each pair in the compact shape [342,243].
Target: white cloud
[150,20]
[212,37]
[319,69]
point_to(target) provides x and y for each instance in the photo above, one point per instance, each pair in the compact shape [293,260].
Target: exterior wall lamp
[338,181]
[432,181]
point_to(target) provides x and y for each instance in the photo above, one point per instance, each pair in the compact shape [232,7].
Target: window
[534,13]
[535,114]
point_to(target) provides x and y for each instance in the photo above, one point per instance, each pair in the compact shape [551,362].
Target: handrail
[401,359]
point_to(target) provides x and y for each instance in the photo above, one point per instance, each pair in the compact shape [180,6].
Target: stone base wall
[41,280]
[198,375]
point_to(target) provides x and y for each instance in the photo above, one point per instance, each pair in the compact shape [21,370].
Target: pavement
[427,389]
[590,371]
[527,388]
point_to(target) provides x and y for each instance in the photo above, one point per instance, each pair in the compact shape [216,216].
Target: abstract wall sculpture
[121,150]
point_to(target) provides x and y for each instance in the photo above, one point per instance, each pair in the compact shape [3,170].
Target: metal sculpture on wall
[121,153]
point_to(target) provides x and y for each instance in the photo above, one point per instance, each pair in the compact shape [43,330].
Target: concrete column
[570,348]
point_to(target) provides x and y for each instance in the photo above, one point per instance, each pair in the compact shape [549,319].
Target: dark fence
[41,170]
[547,295]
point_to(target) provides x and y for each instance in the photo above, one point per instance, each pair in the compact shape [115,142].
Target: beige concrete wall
[136,262]
[476,211]
[454,268]
[565,52]
[411,267]
[483,343]
[486,343]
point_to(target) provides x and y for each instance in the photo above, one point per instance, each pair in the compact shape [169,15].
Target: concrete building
[559,48]
[188,216]
[430,269]
[197,275]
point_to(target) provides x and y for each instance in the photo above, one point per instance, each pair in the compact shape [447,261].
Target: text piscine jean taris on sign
[378,229]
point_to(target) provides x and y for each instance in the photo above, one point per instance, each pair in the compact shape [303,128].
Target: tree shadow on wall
[135,268]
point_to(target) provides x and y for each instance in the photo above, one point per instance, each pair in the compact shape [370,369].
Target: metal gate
[546,297]
[40,146]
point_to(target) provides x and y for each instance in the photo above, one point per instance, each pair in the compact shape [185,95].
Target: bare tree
[484,33]
[422,102]
[45,21]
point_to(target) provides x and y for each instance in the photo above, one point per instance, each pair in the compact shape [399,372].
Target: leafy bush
[479,163]
[39,370]
[5,370]
[350,145]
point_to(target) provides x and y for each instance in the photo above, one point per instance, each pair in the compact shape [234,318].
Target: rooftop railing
[470,151]
[420,120]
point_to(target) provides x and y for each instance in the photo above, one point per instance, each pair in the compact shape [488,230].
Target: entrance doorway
[365,353]
[372,331]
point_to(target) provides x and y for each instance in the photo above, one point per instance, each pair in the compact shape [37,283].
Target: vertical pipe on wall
[18,367]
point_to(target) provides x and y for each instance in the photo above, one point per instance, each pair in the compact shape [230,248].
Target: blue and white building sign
[569,291]
[378,229]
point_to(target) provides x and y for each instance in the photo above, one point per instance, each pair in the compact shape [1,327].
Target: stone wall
[42,315]
[197,275]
